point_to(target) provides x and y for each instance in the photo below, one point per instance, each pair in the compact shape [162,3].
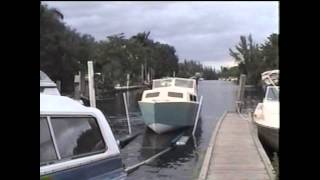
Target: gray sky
[202,31]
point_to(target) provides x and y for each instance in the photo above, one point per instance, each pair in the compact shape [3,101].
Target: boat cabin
[76,142]
[177,89]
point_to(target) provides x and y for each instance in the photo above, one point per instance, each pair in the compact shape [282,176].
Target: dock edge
[265,159]
[206,162]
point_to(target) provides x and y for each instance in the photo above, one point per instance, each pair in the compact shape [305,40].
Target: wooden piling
[241,89]
[77,87]
[127,112]
[92,95]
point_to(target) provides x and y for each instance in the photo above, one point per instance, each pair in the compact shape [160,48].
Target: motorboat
[267,113]
[76,142]
[170,104]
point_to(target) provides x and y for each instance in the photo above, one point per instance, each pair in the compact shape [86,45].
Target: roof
[53,103]
[173,78]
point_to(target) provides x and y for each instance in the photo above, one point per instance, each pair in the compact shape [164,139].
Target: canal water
[183,162]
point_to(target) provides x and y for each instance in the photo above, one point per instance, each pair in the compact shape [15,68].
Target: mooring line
[173,145]
[132,168]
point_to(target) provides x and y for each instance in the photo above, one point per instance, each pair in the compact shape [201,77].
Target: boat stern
[166,116]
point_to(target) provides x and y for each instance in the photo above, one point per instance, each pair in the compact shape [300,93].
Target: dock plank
[234,154]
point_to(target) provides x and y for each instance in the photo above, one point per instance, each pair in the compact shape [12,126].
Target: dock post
[128,83]
[77,86]
[242,84]
[197,117]
[127,113]
[142,73]
[92,95]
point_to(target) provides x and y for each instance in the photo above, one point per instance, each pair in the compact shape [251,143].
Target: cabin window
[175,94]
[184,83]
[155,94]
[162,83]
[77,136]
[193,98]
[47,150]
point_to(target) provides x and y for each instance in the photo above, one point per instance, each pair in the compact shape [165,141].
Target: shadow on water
[182,162]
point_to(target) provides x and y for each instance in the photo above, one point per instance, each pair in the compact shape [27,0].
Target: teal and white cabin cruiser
[170,104]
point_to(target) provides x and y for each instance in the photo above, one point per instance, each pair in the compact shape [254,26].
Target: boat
[76,142]
[47,86]
[267,114]
[170,104]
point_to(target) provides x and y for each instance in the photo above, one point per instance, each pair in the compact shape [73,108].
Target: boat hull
[269,136]
[163,117]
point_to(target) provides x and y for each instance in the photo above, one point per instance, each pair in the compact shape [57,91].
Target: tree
[253,59]
[226,72]
[117,56]
[189,68]
[270,52]
[248,56]
[63,51]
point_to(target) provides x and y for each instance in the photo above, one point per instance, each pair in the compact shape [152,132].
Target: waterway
[183,162]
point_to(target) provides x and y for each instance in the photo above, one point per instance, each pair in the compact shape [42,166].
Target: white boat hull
[161,128]
[269,136]
[267,122]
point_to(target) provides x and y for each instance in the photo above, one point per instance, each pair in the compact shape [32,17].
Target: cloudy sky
[202,31]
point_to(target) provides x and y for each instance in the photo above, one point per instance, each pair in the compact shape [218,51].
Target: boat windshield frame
[275,93]
[160,83]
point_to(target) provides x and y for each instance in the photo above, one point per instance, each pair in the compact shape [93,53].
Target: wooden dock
[235,152]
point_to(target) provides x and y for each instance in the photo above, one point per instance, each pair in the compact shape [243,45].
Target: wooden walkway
[235,153]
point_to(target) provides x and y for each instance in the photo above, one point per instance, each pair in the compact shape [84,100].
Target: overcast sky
[202,31]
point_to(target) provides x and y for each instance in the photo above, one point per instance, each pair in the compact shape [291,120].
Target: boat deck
[235,152]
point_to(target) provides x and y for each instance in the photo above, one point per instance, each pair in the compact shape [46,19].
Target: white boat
[170,104]
[76,142]
[267,114]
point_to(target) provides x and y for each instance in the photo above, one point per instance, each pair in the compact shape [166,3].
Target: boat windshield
[184,83]
[162,83]
[273,94]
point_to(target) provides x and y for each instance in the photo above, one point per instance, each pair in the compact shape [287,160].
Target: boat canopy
[270,77]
